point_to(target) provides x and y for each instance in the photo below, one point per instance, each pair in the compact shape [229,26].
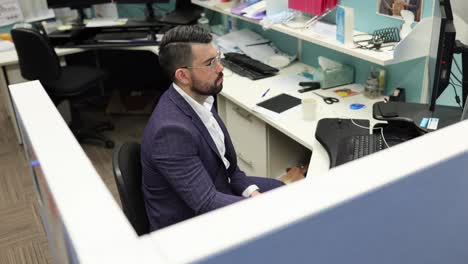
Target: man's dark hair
[175,50]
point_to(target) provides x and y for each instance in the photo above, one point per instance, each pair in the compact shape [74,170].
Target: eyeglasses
[211,65]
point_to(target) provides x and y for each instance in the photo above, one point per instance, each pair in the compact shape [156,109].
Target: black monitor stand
[79,22]
[149,12]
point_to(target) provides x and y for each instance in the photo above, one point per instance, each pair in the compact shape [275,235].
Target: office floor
[22,238]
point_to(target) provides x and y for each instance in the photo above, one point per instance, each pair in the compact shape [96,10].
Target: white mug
[309,109]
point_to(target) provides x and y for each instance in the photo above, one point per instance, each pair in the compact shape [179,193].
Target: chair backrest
[37,58]
[128,174]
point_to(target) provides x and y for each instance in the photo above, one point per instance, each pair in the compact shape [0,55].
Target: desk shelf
[414,46]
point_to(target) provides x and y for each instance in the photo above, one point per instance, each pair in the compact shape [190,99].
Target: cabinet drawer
[249,137]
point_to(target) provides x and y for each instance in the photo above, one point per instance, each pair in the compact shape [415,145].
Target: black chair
[127,172]
[38,61]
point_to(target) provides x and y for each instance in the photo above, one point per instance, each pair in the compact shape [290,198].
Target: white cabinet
[261,149]
[249,136]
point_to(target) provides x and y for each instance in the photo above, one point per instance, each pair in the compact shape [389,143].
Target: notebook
[280,103]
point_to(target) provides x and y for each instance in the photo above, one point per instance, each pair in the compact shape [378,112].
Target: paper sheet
[10,12]
[245,41]
[106,11]
[6,45]
[243,37]
[287,83]
[324,29]
[105,22]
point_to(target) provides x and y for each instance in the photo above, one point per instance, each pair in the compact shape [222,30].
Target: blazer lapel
[230,152]
[180,102]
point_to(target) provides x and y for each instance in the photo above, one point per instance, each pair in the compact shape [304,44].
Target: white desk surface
[10,57]
[247,93]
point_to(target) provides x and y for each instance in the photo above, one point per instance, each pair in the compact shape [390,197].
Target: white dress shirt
[204,113]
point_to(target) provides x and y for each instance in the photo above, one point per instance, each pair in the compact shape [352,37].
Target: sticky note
[424,122]
[433,123]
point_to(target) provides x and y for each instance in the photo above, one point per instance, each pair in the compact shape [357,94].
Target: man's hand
[294,174]
[255,193]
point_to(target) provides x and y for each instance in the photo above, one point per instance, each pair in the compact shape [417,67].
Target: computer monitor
[149,13]
[443,35]
[184,13]
[76,4]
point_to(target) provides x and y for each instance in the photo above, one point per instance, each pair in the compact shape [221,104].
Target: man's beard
[214,89]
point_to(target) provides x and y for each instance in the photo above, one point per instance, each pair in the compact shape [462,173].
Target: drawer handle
[248,162]
[246,115]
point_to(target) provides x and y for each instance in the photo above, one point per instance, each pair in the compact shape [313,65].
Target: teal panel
[284,42]
[138,10]
[214,17]
[311,52]
[366,18]
[6,29]
[408,75]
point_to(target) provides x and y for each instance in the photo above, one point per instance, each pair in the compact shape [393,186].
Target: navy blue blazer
[183,173]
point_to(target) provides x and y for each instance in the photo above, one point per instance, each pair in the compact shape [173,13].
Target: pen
[260,43]
[265,93]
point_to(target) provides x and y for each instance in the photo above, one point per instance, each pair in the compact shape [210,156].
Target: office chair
[38,61]
[127,173]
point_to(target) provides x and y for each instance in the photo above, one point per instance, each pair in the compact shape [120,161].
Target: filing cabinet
[249,136]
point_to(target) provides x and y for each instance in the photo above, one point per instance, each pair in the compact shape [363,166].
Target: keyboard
[246,66]
[134,35]
[354,147]
[242,71]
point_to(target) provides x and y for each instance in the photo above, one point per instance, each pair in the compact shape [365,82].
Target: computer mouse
[356,106]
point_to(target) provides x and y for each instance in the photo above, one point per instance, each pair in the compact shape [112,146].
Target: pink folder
[314,7]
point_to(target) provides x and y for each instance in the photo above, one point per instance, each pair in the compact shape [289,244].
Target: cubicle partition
[406,204]
[83,222]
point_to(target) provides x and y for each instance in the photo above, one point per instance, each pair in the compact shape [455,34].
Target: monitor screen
[74,3]
[149,13]
[441,51]
[140,1]
[185,13]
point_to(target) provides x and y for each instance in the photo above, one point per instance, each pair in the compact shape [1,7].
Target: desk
[88,37]
[277,142]
[414,113]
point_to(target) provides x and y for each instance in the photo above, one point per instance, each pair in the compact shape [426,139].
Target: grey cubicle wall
[422,218]
[413,210]
[83,222]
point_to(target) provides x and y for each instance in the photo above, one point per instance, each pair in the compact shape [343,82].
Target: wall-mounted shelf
[414,46]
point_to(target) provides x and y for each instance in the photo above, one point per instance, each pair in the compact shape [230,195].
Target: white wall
[460,10]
